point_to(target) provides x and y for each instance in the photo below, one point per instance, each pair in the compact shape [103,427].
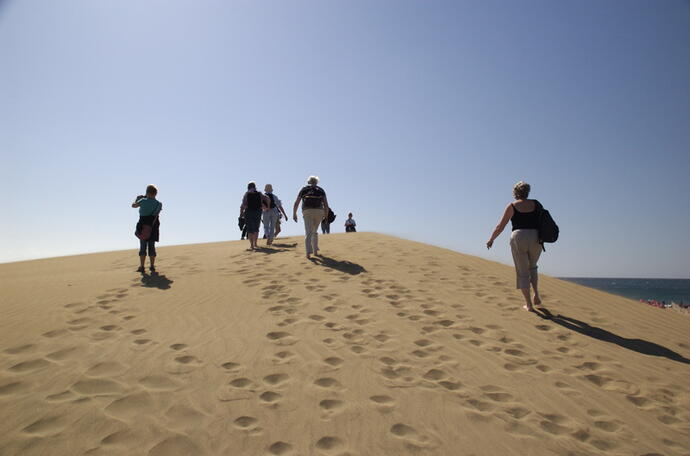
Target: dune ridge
[381,347]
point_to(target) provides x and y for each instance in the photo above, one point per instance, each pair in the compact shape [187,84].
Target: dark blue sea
[669,290]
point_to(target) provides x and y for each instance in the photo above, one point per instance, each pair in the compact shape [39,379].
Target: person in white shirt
[271,214]
[350,224]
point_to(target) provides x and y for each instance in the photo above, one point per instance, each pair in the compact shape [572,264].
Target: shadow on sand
[155,280]
[637,345]
[275,248]
[284,246]
[347,267]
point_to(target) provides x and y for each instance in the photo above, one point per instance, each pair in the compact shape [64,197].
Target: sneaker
[141,269]
[152,269]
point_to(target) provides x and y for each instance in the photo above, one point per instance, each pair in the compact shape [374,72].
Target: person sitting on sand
[252,202]
[271,214]
[149,208]
[350,224]
[314,209]
[524,241]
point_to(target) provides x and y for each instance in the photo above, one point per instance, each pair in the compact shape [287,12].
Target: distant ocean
[669,290]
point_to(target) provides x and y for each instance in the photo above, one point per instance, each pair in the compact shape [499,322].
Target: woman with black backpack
[524,240]
[314,210]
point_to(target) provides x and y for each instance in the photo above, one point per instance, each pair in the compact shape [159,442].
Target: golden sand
[383,347]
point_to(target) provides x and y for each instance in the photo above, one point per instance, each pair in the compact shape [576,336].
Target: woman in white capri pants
[524,241]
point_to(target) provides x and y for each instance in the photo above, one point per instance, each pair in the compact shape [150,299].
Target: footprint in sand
[330,445]
[270,397]
[187,359]
[276,379]
[554,424]
[230,366]
[413,439]
[333,361]
[328,383]
[383,402]
[280,449]
[283,357]
[281,337]
[242,383]
[331,406]
[245,422]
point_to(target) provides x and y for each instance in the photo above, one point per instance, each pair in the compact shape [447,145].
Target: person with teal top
[149,208]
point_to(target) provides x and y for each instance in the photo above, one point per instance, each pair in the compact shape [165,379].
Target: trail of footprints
[427,366]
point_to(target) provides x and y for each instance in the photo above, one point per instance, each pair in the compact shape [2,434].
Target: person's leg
[533,253]
[275,235]
[152,254]
[521,261]
[328,227]
[312,220]
[142,255]
[265,217]
[272,226]
[307,233]
[317,217]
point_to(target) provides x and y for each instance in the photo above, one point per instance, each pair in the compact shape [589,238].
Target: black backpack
[331,215]
[548,230]
[312,197]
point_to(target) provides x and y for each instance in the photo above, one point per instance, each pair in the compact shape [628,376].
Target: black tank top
[254,200]
[525,220]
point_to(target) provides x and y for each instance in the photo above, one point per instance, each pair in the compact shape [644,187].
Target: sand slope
[385,347]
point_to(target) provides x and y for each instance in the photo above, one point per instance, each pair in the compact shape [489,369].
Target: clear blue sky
[418,116]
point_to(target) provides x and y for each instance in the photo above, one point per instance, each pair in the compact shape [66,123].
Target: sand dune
[382,347]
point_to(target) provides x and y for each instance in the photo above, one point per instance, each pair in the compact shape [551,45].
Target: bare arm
[325,206]
[507,214]
[266,200]
[294,208]
[243,206]
[283,211]
[136,201]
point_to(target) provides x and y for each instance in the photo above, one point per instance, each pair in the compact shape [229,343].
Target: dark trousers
[151,244]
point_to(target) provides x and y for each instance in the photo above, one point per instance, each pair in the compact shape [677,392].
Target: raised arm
[136,201]
[507,214]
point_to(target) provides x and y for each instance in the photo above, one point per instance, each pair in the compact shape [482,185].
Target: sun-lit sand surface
[384,347]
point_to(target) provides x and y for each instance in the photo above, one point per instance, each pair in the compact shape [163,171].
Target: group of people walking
[523,213]
[257,207]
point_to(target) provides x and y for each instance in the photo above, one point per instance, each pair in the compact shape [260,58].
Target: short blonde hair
[268,188]
[313,180]
[151,190]
[521,190]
